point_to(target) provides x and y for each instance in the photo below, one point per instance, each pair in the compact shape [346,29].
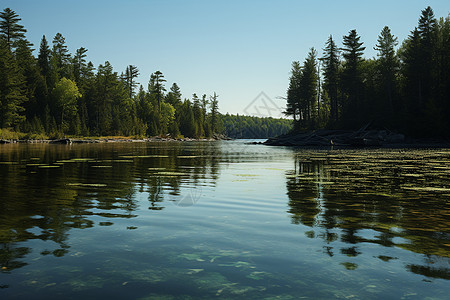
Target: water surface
[225,220]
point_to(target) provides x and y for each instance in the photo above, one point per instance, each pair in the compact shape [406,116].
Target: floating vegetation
[171,173]
[88,184]
[194,271]
[349,265]
[105,223]
[426,189]
[191,256]
[258,275]
[48,166]
[144,156]
[386,258]
[238,264]
[81,159]
[75,160]
[381,213]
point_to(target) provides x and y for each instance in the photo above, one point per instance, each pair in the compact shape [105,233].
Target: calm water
[225,220]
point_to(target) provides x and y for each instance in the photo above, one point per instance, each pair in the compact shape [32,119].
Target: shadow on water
[389,198]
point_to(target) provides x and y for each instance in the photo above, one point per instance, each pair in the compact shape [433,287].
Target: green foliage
[406,90]
[331,62]
[58,93]
[302,93]
[12,88]
[10,29]
[60,60]
[128,78]
[65,95]
[246,127]
[214,117]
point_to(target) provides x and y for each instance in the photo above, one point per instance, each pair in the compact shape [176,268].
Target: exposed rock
[345,138]
[61,141]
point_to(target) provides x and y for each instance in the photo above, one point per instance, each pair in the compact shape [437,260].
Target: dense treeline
[406,89]
[58,93]
[246,127]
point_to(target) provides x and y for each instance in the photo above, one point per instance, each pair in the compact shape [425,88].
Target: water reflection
[47,190]
[142,218]
[390,198]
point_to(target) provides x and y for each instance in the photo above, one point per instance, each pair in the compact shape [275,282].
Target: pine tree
[12,88]
[204,107]
[79,64]
[106,86]
[198,116]
[174,96]
[128,78]
[427,34]
[35,87]
[10,29]
[214,105]
[293,92]
[351,78]
[442,73]
[44,57]
[412,82]
[187,120]
[308,89]
[387,66]
[156,87]
[61,57]
[330,61]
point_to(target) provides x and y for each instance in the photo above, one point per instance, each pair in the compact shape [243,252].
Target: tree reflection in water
[391,198]
[47,190]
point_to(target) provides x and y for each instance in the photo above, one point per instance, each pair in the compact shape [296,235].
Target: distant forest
[58,93]
[245,127]
[405,89]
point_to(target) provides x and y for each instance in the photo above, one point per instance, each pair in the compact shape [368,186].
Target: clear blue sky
[235,48]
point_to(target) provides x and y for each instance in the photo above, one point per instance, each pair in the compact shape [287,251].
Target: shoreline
[360,139]
[69,141]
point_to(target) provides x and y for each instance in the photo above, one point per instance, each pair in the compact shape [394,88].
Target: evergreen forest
[59,93]
[405,88]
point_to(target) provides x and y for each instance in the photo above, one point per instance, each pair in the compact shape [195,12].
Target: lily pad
[87,184]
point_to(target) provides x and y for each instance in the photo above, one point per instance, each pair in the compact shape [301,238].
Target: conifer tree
[44,57]
[330,67]
[387,66]
[79,64]
[61,57]
[156,87]
[12,88]
[308,89]
[10,29]
[214,120]
[293,92]
[351,78]
[131,73]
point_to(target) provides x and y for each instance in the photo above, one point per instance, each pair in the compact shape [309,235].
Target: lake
[222,220]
